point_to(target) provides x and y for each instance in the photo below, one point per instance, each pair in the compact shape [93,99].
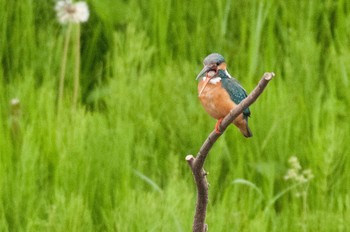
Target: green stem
[63,67]
[305,207]
[77,68]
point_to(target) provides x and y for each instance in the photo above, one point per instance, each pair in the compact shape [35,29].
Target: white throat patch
[214,80]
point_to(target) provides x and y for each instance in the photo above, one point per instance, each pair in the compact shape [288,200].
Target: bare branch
[197,163]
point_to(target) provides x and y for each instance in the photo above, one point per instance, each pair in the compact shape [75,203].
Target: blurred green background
[117,162]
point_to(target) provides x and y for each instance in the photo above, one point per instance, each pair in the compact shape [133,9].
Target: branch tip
[190,160]
[189,157]
[269,75]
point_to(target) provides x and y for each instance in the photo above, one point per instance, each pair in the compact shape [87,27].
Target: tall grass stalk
[63,66]
[77,67]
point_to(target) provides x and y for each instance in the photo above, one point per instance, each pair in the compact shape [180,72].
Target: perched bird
[219,93]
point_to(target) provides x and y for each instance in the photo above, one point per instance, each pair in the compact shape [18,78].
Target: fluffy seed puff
[69,12]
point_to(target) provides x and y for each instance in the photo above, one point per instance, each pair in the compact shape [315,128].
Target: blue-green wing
[236,92]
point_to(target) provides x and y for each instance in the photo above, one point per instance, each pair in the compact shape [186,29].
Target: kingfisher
[219,93]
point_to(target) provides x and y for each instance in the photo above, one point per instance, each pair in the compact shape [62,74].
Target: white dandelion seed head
[69,12]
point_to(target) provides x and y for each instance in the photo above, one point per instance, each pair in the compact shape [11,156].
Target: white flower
[308,174]
[296,173]
[294,162]
[301,179]
[68,12]
[291,174]
[14,101]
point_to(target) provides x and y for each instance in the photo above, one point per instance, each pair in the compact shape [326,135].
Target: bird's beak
[204,70]
[205,85]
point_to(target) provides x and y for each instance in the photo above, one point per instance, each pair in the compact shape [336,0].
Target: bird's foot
[217,130]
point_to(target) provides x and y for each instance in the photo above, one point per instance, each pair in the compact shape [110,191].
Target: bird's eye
[217,63]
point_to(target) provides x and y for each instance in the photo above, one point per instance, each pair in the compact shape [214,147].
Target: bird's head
[212,63]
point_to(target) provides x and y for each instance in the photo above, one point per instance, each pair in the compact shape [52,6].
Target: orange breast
[215,100]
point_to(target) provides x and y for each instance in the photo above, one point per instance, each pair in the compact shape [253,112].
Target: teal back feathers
[234,89]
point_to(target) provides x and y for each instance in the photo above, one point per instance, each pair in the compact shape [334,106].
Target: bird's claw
[217,125]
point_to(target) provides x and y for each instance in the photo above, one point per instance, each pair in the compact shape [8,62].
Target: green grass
[117,163]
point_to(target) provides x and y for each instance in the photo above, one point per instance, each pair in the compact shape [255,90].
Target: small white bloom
[301,179]
[308,174]
[294,162]
[14,101]
[68,12]
[291,174]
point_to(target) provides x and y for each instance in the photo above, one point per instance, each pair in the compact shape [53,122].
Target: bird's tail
[246,132]
[242,123]
[245,129]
